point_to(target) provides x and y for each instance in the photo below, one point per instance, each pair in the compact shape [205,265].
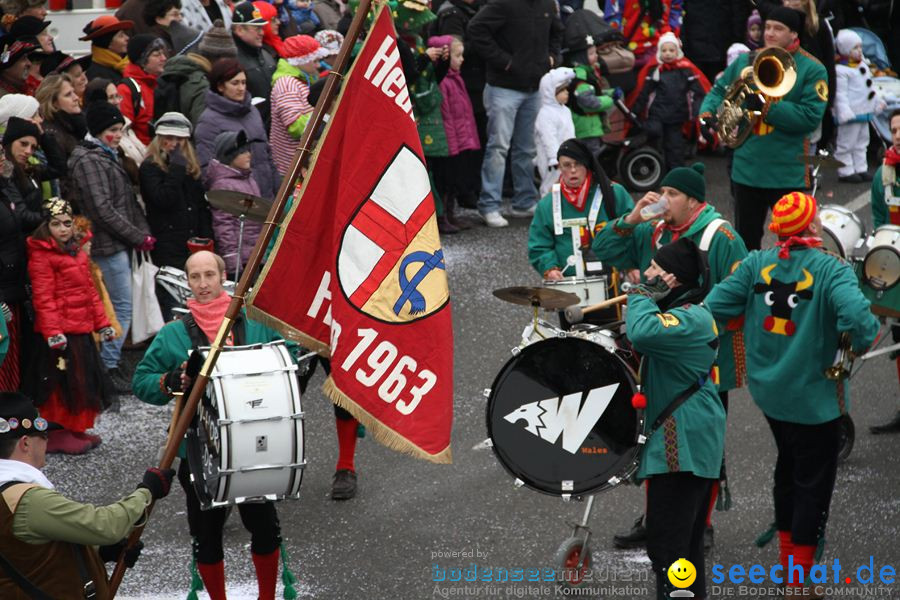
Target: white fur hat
[17,105]
[846,40]
[669,38]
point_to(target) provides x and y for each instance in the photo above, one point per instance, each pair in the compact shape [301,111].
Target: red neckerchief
[209,316]
[677,230]
[891,157]
[794,46]
[576,196]
[681,63]
[785,244]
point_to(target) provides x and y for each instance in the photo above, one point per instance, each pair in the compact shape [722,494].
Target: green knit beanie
[688,180]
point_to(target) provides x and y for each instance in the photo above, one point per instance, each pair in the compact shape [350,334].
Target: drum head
[560,417]
[202,446]
[882,267]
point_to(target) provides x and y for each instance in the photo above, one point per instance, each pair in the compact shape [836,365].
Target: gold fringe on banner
[382,434]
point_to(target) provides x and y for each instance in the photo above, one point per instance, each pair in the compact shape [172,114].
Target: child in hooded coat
[669,97]
[553,125]
[855,101]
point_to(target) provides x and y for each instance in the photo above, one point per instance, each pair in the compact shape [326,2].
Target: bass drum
[843,230]
[560,418]
[247,442]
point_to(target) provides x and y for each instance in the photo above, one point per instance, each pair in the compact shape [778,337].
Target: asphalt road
[413,522]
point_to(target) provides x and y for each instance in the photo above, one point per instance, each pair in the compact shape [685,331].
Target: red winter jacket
[135,78]
[65,299]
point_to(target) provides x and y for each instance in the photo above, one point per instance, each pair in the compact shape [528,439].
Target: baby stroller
[626,154]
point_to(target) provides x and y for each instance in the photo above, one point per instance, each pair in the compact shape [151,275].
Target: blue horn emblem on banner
[410,287]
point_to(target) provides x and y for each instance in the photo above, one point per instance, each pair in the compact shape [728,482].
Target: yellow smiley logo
[682,573]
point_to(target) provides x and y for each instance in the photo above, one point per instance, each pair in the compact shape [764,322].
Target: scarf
[209,316]
[677,230]
[107,58]
[795,45]
[76,124]
[102,146]
[681,63]
[16,470]
[795,241]
[889,168]
[576,196]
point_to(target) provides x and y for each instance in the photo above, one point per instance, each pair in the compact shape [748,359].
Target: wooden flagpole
[237,300]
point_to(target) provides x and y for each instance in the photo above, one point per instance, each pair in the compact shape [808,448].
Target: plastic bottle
[654,210]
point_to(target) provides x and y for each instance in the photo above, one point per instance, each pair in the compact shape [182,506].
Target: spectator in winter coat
[671,97]
[70,383]
[148,55]
[231,170]
[109,43]
[100,90]
[62,117]
[60,63]
[32,30]
[14,71]
[164,19]
[296,72]
[173,193]
[257,59]
[20,142]
[103,191]
[520,41]
[13,281]
[553,125]
[228,108]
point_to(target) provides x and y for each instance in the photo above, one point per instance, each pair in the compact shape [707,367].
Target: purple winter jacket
[222,114]
[456,110]
[226,228]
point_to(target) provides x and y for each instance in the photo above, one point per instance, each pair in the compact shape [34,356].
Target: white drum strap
[709,232]
[557,209]
[574,225]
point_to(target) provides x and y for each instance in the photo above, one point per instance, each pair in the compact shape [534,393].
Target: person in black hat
[62,64]
[40,529]
[148,54]
[566,220]
[765,165]
[684,419]
[15,67]
[258,62]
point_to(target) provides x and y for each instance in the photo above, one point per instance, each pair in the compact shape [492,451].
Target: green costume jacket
[547,250]
[632,246]
[768,159]
[795,310]
[679,348]
[882,214]
[171,347]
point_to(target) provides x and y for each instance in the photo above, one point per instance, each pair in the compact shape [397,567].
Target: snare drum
[842,228]
[560,418]
[590,290]
[248,442]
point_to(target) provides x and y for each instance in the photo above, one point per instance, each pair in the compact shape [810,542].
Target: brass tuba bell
[773,74]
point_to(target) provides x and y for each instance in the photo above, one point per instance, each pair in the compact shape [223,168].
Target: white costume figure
[553,125]
[854,104]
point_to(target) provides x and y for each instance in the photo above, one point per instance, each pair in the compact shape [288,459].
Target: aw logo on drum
[390,265]
[550,418]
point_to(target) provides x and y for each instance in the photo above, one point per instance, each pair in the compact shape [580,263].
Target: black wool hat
[18,128]
[682,259]
[141,45]
[19,417]
[792,19]
[101,116]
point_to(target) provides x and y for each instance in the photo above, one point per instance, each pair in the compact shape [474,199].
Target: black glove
[754,102]
[709,127]
[158,482]
[173,380]
[654,288]
[111,553]
[176,157]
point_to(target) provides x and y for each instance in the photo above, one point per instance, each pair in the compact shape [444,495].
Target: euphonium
[773,74]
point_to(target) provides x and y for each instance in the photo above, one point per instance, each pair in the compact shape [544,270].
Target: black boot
[445,226]
[636,538]
[450,213]
[892,426]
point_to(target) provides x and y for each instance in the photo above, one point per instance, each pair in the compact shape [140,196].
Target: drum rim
[625,465]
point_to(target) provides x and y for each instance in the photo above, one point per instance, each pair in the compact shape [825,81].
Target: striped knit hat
[792,214]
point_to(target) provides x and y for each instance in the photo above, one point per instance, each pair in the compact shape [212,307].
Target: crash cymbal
[820,161]
[536,296]
[252,207]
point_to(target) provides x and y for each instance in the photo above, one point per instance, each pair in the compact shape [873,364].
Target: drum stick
[575,314]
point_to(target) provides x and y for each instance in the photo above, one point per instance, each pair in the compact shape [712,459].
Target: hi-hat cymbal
[819,160]
[234,203]
[536,296]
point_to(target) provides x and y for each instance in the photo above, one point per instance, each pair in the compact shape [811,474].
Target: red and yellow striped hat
[792,214]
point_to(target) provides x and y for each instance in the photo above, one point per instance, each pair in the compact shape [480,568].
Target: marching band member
[634,238]
[42,531]
[765,165]
[797,301]
[682,458]
[161,373]
[577,207]
[886,210]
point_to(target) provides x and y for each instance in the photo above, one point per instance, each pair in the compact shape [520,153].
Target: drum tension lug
[518,483]
[486,393]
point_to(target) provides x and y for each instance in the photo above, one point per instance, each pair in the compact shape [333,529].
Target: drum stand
[237,264]
[573,557]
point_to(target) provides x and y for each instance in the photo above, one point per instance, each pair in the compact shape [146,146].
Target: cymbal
[234,203]
[820,161]
[537,296]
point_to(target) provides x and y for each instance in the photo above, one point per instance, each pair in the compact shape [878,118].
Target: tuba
[773,74]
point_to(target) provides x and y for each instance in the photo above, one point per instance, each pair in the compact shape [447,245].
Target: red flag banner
[358,273]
